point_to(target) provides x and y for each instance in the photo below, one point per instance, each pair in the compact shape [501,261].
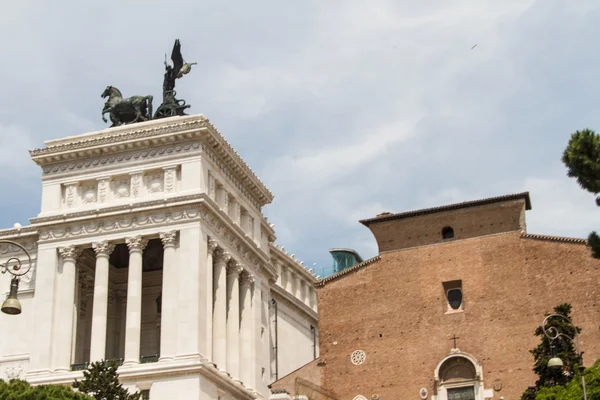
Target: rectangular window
[453,294]
[464,393]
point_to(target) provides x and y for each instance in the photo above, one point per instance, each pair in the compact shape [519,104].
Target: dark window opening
[447,232]
[455,298]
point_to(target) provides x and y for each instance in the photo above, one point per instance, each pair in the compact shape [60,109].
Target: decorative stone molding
[136,183]
[170,177]
[121,187]
[13,371]
[70,191]
[70,253]
[169,239]
[103,187]
[234,268]
[224,256]
[103,249]
[95,227]
[6,248]
[154,181]
[136,243]
[88,192]
[212,245]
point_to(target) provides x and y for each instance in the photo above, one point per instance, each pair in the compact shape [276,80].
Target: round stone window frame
[358,357]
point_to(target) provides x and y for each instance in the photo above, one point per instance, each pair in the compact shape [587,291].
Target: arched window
[458,377]
[447,232]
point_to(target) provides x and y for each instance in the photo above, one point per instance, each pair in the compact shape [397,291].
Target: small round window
[455,298]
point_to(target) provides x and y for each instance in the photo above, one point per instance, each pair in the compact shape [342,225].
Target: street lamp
[555,363]
[14,266]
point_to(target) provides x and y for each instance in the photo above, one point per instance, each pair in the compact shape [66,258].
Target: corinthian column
[247,362]
[233,319]
[168,323]
[100,308]
[220,310]
[134,300]
[65,311]
[212,247]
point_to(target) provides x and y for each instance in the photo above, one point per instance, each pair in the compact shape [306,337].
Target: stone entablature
[294,278]
[132,145]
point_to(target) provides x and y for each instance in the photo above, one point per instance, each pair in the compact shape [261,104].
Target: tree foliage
[21,390]
[101,382]
[563,348]
[573,390]
[582,159]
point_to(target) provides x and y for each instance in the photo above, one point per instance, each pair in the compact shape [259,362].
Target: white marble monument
[151,248]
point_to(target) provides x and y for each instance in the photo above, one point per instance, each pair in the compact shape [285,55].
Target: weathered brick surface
[466,222]
[394,310]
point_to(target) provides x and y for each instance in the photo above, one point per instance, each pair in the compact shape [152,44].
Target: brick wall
[395,310]
[468,222]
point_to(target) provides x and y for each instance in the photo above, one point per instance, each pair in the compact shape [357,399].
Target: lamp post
[14,266]
[552,333]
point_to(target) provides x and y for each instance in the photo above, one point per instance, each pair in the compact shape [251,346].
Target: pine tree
[582,158]
[101,382]
[563,348]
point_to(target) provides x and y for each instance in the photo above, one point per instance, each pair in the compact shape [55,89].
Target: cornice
[16,233]
[152,134]
[278,252]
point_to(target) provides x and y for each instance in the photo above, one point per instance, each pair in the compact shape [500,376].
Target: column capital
[212,245]
[223,256]
[234,268]
[70,253]
[246,279]
[103,248]
[168,239]
[136,243]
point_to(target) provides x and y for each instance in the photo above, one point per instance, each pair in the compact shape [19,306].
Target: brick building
[466,270]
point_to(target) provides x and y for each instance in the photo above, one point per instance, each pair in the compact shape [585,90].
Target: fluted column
[220,310]
[168,323]
[65,308]
[133,321]
[246,329]
[100,308]
[233,319]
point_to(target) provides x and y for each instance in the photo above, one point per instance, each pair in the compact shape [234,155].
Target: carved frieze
[154,181]
[121,187]
[170,178]
[13,371]
[88,192]
[103,189]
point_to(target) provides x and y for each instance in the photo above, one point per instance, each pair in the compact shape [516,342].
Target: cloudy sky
[344,108]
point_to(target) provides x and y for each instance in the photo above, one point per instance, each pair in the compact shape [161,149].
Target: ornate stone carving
[212,245]
[95,227]
[170,179]
[121,186]
[104,248]
[154,181]
[136,243]
[13,371]
[70,190]
[224,256]
[102,189]
[136,181]
[116,295]
[169,239]
[70,253]
[88,192]
[234,268]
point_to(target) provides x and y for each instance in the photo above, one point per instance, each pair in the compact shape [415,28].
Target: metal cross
[454,337]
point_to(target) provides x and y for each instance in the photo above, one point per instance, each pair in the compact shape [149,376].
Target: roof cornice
[432,210]
[148,134]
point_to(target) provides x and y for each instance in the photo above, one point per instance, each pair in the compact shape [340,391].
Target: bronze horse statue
[126,111]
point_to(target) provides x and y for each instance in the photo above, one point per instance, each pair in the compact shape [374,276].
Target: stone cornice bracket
[103,248]
[136,243]
[169,239]
[70,253]
[234,268]
[246,279]
[212,246]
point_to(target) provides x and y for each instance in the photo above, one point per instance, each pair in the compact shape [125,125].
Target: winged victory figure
[170,105]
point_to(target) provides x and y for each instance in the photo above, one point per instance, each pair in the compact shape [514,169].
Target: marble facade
[151,248]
